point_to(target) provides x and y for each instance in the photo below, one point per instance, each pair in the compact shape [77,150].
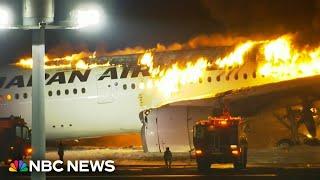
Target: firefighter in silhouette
[167,158]
[60,150]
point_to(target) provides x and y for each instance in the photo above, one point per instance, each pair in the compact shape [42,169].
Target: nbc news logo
[57,166]
[18,166]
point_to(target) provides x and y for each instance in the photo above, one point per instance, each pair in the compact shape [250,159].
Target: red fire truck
[218,140]
[15,139]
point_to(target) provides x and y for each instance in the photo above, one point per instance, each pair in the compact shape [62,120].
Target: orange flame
[77,61]
[278,58]
[284,61]
[168,80]
[236,57]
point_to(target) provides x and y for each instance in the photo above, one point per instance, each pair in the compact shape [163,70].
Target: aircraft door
[104,91]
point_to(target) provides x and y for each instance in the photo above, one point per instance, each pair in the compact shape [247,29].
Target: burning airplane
[166,92]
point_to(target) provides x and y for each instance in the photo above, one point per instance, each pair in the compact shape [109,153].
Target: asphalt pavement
[257,171]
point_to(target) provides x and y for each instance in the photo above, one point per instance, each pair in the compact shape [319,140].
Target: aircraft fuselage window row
[124,86]
[54,126]
[17,96]
[67,92]
[236,77]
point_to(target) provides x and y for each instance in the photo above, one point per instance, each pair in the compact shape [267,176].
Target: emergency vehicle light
[233,146]
[29,151]
[198,152]
[235,152]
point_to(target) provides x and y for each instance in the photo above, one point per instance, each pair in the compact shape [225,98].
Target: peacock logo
[18,166]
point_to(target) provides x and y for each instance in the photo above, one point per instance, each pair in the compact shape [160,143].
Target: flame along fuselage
[107,100]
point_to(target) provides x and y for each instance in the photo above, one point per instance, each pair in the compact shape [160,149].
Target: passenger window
[133,86]
[218,78]
[50,93]
[16,96]
[58,92]
[25,95]
[75,91]
[245,76]
[200,80]
[125,87]
[227,78]
[209,79]
[254,75]
[83,90]
[236,77]
[66,91]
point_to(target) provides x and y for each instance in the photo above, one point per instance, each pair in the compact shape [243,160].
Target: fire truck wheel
[241,163]
[244,157]
[236,165]
[203,165]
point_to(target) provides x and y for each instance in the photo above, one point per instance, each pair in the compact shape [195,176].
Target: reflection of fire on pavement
[132,140]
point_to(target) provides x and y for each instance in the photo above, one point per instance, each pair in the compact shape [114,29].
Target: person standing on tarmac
[168,158]
[60,151]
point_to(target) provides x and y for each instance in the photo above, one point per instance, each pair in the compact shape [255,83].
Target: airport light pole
[38,15]
[38,98]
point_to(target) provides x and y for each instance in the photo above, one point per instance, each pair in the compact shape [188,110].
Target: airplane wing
[249,101]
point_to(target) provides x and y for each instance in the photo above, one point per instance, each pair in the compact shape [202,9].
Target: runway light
[86,17]
[5,18]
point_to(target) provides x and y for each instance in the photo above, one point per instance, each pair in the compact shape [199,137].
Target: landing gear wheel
[203,165]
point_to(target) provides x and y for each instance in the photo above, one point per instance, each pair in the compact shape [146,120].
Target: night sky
[145,23]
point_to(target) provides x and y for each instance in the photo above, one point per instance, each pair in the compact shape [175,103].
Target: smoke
[242,20]
[197,42]
[268,17]
[65,49]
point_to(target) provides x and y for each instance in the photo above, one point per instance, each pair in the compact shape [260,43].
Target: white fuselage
[78,109]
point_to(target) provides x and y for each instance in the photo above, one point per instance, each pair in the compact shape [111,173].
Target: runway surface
[224,171]
[296,163]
